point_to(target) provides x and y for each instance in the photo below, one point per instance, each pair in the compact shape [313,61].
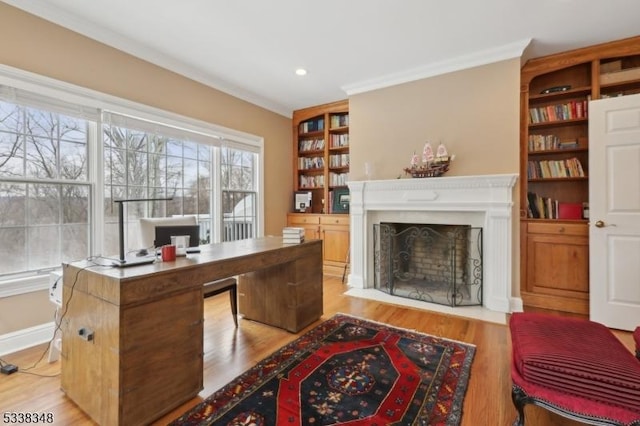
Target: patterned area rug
[347,371]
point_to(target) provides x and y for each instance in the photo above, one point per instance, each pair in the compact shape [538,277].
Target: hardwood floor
[229,351]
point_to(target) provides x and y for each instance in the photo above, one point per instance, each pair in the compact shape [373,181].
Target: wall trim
[18,286]
[26,338]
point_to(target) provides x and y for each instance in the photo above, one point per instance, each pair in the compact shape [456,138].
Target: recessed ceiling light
[301,71]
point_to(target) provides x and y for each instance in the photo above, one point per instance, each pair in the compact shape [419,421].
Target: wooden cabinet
[557,266]
[333,230]
[321,152]
[554,147]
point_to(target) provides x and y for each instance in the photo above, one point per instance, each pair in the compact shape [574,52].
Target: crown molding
[88,29]
[482,57]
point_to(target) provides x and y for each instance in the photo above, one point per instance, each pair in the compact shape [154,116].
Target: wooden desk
[132,341]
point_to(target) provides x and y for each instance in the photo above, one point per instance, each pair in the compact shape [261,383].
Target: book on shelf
[310,145]
[339,120]
[570,211]
[545,169]
[567,111]
[339,141]
[309,126]
[547,208]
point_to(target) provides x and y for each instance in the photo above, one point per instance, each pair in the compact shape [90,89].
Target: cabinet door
[335,235]
[558,267]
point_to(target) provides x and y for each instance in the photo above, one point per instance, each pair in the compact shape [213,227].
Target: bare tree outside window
[44,193]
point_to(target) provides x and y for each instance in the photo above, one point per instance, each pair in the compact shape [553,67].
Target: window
[67,153]
[44,188]
[148,161]
[239,194]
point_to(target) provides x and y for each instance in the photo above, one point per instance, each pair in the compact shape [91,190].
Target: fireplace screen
[435,263]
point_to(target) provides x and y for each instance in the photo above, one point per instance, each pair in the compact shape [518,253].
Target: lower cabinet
[555,267]
[333,230]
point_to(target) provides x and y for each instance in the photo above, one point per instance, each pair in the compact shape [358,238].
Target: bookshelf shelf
[558,123]
[554,130]
[557,151]
[560,179]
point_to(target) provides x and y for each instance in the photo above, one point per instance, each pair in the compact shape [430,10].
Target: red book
[570,211]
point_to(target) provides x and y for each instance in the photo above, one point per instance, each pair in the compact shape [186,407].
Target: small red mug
[168,253]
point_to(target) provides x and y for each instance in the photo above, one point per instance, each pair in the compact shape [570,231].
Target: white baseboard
[26,338]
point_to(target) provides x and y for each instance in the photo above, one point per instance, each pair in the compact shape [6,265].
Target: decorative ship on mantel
[431,165]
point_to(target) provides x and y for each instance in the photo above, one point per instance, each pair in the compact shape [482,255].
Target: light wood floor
[230,351]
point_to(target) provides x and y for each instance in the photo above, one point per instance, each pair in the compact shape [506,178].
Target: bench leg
[519,399]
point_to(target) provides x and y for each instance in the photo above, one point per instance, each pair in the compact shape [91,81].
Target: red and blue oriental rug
[347,371]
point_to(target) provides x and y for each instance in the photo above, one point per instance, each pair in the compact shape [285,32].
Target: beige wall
[474,112]
[35,45]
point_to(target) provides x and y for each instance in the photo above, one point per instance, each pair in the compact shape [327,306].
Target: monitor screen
[164,234]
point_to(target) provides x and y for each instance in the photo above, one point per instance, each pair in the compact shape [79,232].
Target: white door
[614,204]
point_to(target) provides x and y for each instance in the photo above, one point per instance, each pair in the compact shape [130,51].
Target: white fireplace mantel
[484,200]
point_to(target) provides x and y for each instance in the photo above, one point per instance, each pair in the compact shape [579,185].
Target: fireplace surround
[479,201]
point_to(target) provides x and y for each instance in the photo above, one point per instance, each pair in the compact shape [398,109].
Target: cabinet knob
[561,230]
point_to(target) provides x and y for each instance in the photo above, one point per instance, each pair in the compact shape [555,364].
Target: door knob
[599,224]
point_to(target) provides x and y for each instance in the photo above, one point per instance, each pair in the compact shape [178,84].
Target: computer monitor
[164,234]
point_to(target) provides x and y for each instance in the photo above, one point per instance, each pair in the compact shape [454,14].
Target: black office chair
[220,286]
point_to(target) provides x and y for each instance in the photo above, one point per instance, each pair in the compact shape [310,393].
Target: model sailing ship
[431,165]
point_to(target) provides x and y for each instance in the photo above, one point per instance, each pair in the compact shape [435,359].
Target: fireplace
[484,201]
[434,263]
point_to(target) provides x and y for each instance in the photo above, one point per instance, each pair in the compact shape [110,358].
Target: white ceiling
[250,48]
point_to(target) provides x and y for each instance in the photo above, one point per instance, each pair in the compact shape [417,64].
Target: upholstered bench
[575,368]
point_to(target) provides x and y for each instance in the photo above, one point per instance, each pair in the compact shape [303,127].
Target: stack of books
[292,235]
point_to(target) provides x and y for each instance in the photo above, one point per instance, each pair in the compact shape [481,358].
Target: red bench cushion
[576,356]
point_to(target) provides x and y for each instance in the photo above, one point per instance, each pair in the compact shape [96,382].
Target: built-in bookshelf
[321,145]
[554,166]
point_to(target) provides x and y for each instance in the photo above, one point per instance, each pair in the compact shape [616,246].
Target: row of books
[549,143]
[311,181]
[339,141]
[306,163]
[544,169]
[541,207]
[311,145]
[339,120]
[311,126]
[292,235]
[566,111]
[338,179]
[339,160]
[547,208]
